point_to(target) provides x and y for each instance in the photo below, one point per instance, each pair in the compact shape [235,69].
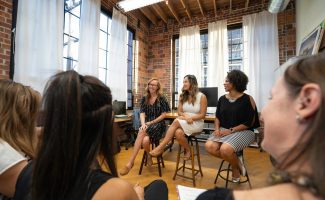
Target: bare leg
[213,148]
[146,146]
[180,137]
[228,154]
[137,145]
[168,137]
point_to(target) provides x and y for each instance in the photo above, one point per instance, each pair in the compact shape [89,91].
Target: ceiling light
[128,5]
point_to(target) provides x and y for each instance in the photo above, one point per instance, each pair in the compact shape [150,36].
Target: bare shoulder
[115,188]
[281,191]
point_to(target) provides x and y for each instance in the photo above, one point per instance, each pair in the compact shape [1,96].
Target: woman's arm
[143,121]
[116,188]
[158,119]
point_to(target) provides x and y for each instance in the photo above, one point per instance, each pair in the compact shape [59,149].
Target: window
[235,47]
[72,10]
[71,34]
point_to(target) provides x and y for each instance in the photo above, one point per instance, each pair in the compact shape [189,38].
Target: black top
[216,194]
[153,111]
[241,111]
[97,179]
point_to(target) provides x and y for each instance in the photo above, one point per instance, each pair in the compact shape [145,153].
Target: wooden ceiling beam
[201,8]
[230,6]
[147,12]
[186,9]
[246,5]
[215,7]
[172,10]
[160,12]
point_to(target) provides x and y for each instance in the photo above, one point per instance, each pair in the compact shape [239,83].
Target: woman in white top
[191,111]
[11,164]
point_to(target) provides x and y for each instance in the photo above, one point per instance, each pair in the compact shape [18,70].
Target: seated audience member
[236,116]
[19,106]
[294,134]
[76,139]
[153,110]
[191,113]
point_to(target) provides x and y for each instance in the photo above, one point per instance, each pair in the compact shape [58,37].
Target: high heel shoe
[149,160]
[156,153]
[187,156]
[235,180]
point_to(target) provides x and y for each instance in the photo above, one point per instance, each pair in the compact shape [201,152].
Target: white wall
[309,14]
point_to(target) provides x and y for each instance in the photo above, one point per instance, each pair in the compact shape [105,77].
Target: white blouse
[8,156]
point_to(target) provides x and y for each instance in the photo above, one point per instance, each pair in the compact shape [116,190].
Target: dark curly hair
[238,79]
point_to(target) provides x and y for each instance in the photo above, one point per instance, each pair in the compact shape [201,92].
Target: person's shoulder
[115,188]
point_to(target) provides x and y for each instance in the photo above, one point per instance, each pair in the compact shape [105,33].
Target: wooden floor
[257,163]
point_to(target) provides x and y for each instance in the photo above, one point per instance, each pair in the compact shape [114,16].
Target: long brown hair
[186,94]
[148,95]
[19,110]
[77,129]
[311,146]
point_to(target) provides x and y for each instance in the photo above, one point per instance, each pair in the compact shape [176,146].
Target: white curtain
[261,54]
[189,54]
[218,55]
[117,62]
[89,37]
[38,41]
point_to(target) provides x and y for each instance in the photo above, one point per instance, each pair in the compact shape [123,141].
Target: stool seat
[160,160]
[193,170]
[227,170]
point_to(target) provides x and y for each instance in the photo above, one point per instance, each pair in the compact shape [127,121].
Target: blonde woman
[191,111]
[153,110]
[19,107]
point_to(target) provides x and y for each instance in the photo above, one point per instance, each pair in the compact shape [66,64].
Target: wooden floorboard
[258,166]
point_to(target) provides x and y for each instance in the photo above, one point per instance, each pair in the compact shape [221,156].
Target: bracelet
[232,130]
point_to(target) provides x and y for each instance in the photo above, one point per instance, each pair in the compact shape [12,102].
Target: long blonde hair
[19,107]
[186,94]
[148,95]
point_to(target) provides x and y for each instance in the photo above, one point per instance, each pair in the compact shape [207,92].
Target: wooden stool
[154,143]
[194,171]
[227,178]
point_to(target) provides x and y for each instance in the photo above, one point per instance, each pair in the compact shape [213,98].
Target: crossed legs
[225,152]
[176,130]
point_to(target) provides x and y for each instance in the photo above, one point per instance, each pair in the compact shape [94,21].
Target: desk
[119,132]
[174,115]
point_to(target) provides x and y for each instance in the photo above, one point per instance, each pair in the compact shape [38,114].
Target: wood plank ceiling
[178,9]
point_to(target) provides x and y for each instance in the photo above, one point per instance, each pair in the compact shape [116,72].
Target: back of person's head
[19,107]
[312,144]
[77,130]
[193,90]
[239,79]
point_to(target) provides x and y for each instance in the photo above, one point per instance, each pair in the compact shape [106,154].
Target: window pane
[71,25]
[103,22]
[102,40]
[76,11]
[102,58]
[102,74]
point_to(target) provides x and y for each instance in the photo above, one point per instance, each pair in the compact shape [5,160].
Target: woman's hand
[225,132]
[139,190]
[143,127]
[189,120]
[217,133]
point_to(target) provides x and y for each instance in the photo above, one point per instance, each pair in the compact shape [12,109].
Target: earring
[299,119]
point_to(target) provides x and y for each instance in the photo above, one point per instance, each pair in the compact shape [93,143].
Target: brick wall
[5,37]
[160,37]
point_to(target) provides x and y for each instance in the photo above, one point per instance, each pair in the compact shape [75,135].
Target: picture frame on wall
[310,44]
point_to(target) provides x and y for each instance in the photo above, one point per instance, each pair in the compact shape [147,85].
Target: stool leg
[198,156]
[249,182]
[219,171]
[177,161]
[227,176]
[143,161]
[192,162]
[158,161]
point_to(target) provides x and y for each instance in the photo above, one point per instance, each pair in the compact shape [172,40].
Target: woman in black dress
[152,113]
